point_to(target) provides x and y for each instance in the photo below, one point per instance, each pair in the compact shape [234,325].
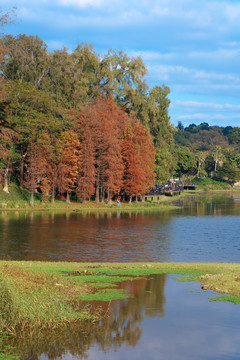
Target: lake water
[202,229]
[165,319]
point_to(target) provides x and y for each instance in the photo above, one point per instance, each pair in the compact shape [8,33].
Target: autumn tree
[101,148]
[146,154]
[133,173]
[69,167]
[36,168]
[109,166]
[86,177]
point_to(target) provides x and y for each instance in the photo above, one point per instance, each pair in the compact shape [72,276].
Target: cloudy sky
[191,46]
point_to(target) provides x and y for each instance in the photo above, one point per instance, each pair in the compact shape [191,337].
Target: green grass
[209,184]
[19,200]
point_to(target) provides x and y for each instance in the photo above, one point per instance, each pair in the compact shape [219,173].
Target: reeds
[32,301]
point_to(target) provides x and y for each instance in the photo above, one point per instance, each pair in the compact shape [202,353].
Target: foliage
[83,112]
[210,184]
[186,161]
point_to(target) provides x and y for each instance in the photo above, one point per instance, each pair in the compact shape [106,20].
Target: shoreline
[38,297]
[164,203]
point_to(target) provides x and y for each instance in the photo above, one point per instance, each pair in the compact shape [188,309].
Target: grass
[208,184]
[37,296]
[19,200]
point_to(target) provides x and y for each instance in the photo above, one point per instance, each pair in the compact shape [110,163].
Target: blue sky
[191,46]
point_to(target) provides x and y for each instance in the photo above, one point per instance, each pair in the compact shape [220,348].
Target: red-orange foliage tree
[146,154]
[86,177]
[117,153]
[69,167]
[138,156]
[133,173]
[102,166]
[36,164]
[109,162]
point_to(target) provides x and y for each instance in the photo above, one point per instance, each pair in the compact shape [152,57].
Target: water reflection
[202,229]
[165,320]
[122,324]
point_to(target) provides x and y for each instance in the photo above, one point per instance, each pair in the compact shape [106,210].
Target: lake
[165,318]
[201,229]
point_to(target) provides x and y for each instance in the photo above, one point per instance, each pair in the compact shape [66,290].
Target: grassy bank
[37,296]
[19,200]
[208,184]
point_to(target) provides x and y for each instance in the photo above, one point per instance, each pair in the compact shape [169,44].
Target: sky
[191,46]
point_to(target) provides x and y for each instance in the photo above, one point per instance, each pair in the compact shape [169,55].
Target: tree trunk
[53,194]
[130,199]
[68,198]
[5,188]
[97,190]
[21,173]
[22,168]
[102,195]
[32,199]
[109,197]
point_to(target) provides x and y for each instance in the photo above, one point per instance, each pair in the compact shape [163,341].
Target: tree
[27,59]
[228,172]
[217,155]
[200,159]
[133,172]
[8,155]
[36,165]
[145,153]
[32,112]
[70,163]
[186,161]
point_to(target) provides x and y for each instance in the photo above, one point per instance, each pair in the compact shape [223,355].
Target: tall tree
[36,168]
[70,164]
[27,59]
[133,172]
[217,155]
[146,154]
[31,112]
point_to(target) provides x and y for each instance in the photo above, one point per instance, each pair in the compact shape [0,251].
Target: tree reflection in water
[122,324]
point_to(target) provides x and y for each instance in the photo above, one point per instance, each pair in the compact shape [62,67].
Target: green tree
[217,155]
[186,161]
[27,59]
[228,172]
[32,112]
[200,160]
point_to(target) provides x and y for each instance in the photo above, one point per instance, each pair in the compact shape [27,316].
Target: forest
[77,123]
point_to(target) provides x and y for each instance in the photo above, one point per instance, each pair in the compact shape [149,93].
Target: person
[118,201]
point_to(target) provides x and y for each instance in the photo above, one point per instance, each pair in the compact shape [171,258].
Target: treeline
[78,122]
[87,124]
[204,150]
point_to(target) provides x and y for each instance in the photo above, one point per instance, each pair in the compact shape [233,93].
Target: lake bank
[36,294]
[18,200]
[41,297]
